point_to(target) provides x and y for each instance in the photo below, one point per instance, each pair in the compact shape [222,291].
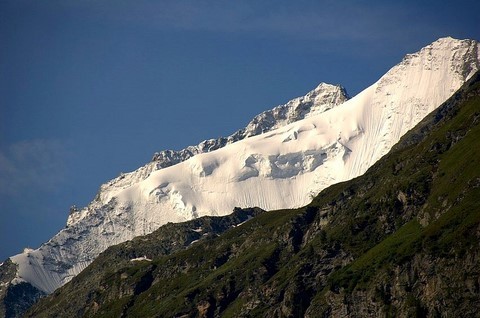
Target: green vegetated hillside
[401,240]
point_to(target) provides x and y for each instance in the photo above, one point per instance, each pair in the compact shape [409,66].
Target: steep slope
[401,240]
[282,168]
[166,240]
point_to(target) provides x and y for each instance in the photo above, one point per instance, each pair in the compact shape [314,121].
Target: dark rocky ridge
[168,239]
[15,299]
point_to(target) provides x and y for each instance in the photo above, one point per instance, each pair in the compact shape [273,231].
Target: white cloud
[34,165]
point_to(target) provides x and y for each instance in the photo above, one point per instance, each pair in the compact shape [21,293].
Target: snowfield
[281,168]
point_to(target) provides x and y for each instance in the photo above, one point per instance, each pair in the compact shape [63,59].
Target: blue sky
[90,89]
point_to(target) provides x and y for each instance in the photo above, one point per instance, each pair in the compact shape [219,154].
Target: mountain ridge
[400,240]
[322,98]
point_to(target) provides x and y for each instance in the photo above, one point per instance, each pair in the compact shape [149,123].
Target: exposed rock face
[424,286]
[15,299]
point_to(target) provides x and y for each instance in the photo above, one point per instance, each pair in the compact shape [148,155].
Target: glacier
[277,162]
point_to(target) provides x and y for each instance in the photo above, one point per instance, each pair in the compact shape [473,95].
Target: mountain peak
[460,55]
[322,86]
[448,39]
[322,98]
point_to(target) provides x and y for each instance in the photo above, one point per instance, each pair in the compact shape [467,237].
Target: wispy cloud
[34,165]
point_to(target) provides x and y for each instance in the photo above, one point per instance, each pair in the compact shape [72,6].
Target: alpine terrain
[402,240]
[282,159]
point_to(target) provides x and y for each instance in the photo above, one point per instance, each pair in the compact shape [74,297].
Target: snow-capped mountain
[91,230]
[282,163]
[322,98]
